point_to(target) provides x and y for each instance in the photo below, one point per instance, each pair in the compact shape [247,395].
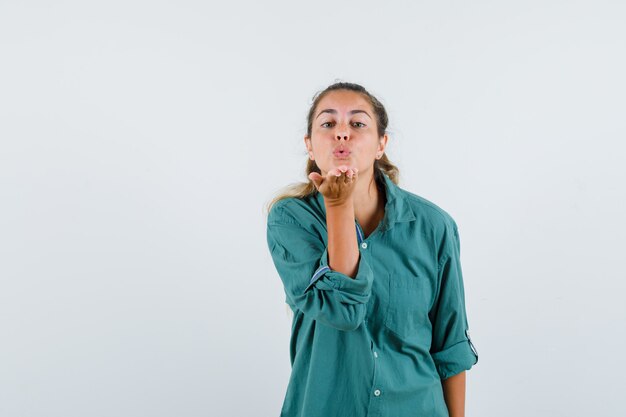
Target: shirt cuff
[360,285]
[457,358]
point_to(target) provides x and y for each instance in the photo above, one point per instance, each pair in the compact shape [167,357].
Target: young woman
[372,274]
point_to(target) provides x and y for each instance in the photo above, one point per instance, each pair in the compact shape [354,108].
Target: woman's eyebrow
[333,111]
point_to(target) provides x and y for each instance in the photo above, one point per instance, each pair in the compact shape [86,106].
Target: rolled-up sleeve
[301,260]
[451,349]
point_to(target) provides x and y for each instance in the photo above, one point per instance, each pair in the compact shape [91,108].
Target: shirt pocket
[407,310]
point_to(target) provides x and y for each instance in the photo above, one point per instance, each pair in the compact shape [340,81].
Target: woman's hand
[337,186]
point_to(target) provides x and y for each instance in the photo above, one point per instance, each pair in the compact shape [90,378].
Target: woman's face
[344,132]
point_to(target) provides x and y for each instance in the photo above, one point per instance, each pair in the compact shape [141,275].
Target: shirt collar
[397,207]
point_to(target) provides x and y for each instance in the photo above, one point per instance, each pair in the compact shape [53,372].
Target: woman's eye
[325,123]
[363,124]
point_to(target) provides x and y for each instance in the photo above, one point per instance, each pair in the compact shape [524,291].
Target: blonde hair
[381,166]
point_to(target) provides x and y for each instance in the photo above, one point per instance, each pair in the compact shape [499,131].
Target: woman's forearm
[454,394]
[343,251]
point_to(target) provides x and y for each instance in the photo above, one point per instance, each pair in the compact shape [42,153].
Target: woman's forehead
[343,101]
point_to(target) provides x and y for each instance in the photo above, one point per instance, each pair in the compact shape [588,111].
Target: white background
[139,142]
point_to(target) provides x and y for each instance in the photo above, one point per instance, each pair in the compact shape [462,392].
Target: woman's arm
[454,394]
[302,259]
[343,251]
[337,188]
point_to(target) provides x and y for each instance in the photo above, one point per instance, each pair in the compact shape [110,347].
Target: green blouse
[378,344]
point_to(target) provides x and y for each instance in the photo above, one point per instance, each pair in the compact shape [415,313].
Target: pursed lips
[341,152]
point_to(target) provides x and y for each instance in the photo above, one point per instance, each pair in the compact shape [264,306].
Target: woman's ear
[382,145]
[307,143]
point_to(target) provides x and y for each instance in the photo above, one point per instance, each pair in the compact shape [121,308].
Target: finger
[336,172]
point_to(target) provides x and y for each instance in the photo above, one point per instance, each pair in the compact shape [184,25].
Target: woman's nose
[342,133]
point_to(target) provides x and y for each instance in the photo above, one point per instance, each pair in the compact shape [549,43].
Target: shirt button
[375,354]
[364,245]
[377,392]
